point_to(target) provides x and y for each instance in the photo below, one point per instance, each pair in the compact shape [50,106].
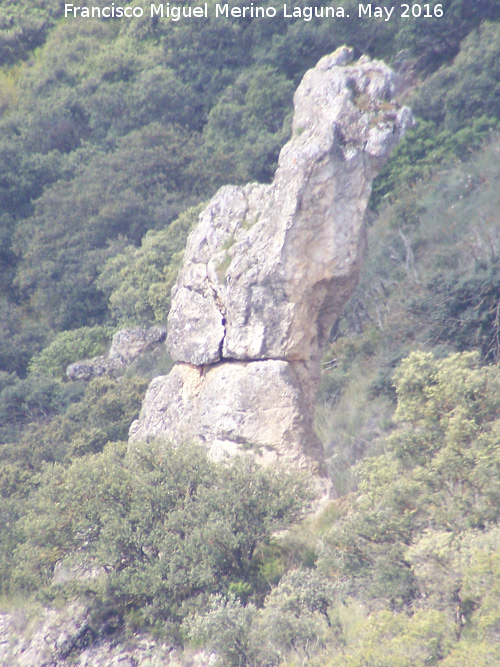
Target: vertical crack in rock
[220,306]
[268,270]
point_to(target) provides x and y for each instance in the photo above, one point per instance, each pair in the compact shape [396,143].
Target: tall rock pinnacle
[268,270]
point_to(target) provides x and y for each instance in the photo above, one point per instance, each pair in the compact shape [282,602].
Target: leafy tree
[139,280]
[23,29]
[423,149]
[293,622]
[224,627]
[436,40]
[295,618]
[206,60]
[32,400]
[441,469]
[395,640]
[70,346]
[20,338]
[103,414]
[469,87]
[161,525]
[75,227]
[464,311]
[46,420]
[458,108]
[245,129]
[24,173]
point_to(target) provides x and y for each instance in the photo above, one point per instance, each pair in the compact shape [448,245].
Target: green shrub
[71,346]
[163,527]
[225,628]
[441,465]
[103,414]
[139,280]
[469,87]
[424,149]
[292,624]
[33,400]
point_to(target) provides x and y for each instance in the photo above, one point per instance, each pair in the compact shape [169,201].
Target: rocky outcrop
[232,407]
[127,346]
[266,273]
[64,637]
[268,270]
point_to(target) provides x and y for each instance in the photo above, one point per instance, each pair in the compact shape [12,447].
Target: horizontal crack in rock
[287,280]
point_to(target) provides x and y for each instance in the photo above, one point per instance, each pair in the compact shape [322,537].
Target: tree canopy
[113,134]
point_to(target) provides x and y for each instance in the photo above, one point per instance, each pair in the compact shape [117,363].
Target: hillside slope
[112,135]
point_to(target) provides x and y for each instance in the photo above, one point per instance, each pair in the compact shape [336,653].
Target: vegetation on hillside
[112,135]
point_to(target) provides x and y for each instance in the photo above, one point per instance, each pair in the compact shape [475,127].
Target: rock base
[233,408]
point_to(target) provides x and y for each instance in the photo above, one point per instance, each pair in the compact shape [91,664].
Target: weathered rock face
[66,637]
[268,270]
[232,407]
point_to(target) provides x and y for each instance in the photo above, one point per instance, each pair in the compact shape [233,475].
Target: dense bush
[68,347]
[434,41]
[457,109]
[469,87]
[138,281]
[424,149]
[161,527]
[110,132]
[28,401]
[294,623]
[45,420]
[440,472]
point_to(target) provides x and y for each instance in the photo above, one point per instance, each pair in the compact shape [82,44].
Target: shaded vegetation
[157,527]
[112,134]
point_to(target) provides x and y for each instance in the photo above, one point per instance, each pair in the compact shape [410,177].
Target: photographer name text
[224,10]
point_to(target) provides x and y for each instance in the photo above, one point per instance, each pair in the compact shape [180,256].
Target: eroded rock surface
[66,637]
[232,407]
[268,270]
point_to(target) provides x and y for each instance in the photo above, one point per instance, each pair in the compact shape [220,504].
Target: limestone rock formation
[268,270]
[232,407]
[127,346]
[66,637]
